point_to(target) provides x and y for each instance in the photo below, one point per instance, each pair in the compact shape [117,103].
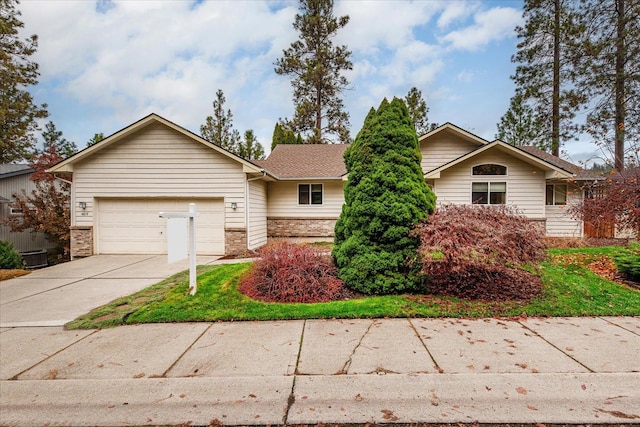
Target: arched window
[489,169]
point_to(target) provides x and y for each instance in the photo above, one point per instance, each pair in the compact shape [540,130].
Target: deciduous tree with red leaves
[46,209]
[614,200]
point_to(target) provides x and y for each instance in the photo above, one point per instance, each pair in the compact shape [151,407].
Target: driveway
[56,295]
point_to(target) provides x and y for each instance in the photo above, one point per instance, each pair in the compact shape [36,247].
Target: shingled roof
[301,161]
[9,170]
[580,174]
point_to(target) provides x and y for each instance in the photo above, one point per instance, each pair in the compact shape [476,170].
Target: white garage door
[133,226]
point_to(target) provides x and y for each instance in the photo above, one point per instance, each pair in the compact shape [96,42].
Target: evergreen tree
[18,113]
[283,135]
[520,126]
[607,70]
[218,128]
[250,148]
[316,67]
[53,138]
[96,138]
[418,110]
[543,75]
[385,196]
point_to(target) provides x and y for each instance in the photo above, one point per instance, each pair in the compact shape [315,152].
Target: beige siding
[559,222]
[257,230]
[283,200]
[525,183]
[159,162]
[24,241]
[442,149]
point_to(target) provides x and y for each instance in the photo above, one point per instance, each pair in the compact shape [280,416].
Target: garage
[133,226]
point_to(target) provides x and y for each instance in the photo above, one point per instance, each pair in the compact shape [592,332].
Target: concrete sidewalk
[556,370]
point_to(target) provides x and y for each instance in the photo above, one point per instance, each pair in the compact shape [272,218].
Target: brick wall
[235,240]
[300,227]
[81,241]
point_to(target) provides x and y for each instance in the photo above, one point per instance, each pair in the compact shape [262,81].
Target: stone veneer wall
[300,227]
[235,240]
[81,241]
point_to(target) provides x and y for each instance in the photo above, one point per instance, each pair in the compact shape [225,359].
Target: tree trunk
[619,88]
[555,130]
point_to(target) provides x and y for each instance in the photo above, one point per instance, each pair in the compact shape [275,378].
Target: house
[121,184]
[14,179]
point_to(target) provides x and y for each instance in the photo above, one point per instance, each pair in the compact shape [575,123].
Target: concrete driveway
[56,295]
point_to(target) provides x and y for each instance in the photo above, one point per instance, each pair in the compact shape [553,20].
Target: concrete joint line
[606,319]
[292,396]
[118,268]
[556,347]
[424,344]
[15,377]
[45,291]
[164,374]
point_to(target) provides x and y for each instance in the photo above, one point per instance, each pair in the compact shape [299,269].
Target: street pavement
[525,370]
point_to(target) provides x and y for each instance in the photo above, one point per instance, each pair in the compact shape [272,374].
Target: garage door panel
[134,226]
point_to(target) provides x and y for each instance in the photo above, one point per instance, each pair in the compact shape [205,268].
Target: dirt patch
[603,266]
[10,274]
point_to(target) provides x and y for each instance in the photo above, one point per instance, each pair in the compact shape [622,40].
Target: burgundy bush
[287,272]
[476,251]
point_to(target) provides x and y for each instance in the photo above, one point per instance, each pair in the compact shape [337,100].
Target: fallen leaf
[182,396]
[533,408]
[583,386]
[388,415]
[140,375]
[521,390]
[252,395]
[358,397]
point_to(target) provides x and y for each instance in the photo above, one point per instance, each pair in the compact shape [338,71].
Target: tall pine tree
[53,139]
[218,128]
[18,112]
[608,71]
[418,110]
[316,67]
[385,196]
[543,74]
[520,126]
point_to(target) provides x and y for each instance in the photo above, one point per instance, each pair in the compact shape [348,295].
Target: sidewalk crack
[347,364]
[292,396]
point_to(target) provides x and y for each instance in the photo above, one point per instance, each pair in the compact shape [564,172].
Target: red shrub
[287,272]
[475,252]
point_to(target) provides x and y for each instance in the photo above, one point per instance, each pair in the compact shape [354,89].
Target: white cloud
[490,25]
[455,11]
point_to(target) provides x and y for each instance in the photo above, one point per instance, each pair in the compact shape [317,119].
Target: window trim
[489,192]
[310,186]
[15,212]
[506,169]
[553,193]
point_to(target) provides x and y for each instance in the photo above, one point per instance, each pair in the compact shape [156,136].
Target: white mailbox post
[177,240]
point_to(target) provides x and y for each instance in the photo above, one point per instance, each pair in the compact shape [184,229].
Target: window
[492,193]
[556,194]
[489,169]
[309,194]
[15,211]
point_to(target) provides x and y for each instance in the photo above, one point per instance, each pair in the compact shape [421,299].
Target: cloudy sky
[105,64]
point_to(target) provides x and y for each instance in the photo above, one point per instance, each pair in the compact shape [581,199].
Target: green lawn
[570,289]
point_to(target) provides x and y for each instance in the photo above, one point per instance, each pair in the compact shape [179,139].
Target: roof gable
[457,131]
[552,170]
[67,164]
[306,161]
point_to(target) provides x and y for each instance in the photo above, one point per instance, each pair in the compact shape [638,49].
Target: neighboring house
[13,180]
[121,184]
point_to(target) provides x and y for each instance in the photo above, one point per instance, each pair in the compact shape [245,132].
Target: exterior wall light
[234,205]
[83,205]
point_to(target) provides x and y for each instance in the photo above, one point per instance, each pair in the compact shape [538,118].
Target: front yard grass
[570,289]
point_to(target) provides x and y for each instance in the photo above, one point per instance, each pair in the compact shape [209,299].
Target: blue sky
[105,64]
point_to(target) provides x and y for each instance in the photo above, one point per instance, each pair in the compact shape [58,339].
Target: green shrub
[9,258]
[385,196]
[628,263]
